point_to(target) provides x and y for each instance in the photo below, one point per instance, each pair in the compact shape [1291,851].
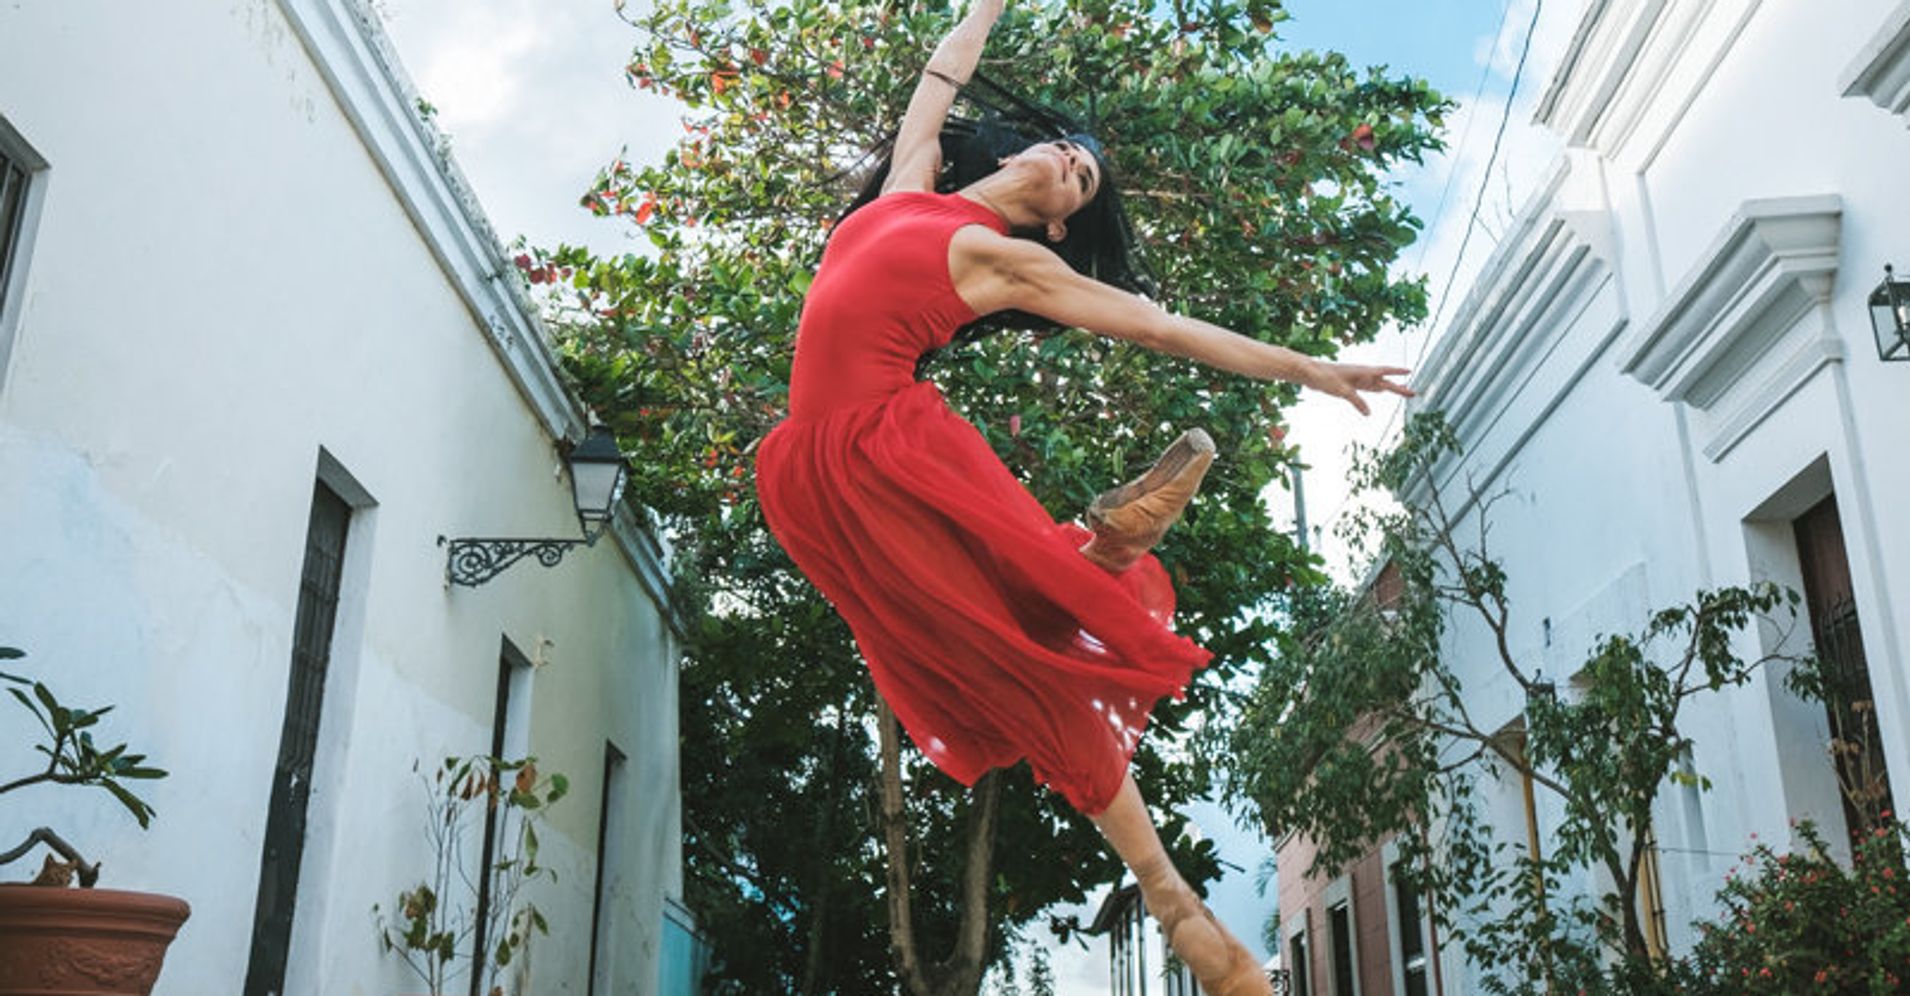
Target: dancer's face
[1062,178]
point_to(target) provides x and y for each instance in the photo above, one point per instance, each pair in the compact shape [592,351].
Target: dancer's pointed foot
[1130,519]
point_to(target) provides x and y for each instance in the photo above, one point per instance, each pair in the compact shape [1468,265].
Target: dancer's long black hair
[1100,241]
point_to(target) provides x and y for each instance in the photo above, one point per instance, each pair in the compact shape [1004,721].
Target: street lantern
[597,474]
[1890,316]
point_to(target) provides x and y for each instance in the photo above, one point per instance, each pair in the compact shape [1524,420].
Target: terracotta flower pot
[97,942]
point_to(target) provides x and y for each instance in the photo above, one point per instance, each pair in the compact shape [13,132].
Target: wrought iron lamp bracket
[471,562]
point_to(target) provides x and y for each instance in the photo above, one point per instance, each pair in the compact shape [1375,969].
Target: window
[1862,775]
[1339,940]
[508,742]
[19,191]
[318,591]
[1299,962]
[1412,934]
[611,832]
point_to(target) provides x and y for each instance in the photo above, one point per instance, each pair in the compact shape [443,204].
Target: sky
[531,93]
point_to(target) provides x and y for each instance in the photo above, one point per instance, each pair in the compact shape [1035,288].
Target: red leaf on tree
[758,56]
[835,69]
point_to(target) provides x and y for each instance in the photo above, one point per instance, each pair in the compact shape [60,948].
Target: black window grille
[298,743]
[1412,938]
[1857,742]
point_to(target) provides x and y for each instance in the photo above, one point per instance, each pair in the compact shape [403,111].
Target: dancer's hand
[1348,380]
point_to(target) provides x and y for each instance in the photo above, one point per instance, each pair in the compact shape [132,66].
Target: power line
[1478,203]
[1485,182]
[1505,117]
[1458,152]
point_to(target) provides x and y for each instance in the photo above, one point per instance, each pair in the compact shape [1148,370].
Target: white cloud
[532,95]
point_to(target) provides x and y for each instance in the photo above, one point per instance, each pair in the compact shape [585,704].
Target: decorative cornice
[1773,261]
[1518,306]
[353,53]
[1882,70]
[1609,42]
[1618,72]
[1538,318]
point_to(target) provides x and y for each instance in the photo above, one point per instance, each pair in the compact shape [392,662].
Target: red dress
[985,629]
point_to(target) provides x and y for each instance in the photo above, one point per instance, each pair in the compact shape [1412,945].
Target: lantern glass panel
[595,486]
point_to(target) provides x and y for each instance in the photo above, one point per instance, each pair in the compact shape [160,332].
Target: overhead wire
[1505,116]
[1478,204]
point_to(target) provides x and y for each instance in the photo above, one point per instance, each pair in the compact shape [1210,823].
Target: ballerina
[995,634]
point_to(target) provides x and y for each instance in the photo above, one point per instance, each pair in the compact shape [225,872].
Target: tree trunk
[960,974]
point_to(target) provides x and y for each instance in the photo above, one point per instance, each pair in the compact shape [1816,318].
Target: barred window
[18,166]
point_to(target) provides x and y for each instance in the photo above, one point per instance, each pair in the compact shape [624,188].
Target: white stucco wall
[1626,495]
[223,283]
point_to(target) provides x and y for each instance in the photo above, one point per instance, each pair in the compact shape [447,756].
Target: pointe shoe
[1127,521]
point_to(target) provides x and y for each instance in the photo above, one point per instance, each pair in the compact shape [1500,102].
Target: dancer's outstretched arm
[918,143]
[996,273]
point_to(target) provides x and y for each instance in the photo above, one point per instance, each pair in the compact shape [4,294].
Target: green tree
[1255,178]
[1361,730]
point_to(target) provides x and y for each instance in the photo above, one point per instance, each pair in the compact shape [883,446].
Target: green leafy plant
[435,923]
[73,757]
[1803,922]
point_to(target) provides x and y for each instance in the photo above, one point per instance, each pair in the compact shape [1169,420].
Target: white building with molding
[1669,364]
[259,351]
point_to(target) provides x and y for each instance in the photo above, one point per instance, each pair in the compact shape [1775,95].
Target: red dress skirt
[987,632]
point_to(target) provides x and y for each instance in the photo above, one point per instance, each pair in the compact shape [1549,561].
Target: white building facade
[259,351]
[1670,367]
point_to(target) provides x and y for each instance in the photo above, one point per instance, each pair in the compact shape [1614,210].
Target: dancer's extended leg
[1220,962]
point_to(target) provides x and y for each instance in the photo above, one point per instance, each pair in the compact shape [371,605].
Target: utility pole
[1299,507]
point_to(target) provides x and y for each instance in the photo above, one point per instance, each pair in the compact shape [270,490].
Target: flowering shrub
[1802,923]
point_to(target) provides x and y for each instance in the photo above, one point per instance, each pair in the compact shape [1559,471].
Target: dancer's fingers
[1358,402]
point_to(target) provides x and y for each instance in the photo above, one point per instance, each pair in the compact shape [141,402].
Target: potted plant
[55,938]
